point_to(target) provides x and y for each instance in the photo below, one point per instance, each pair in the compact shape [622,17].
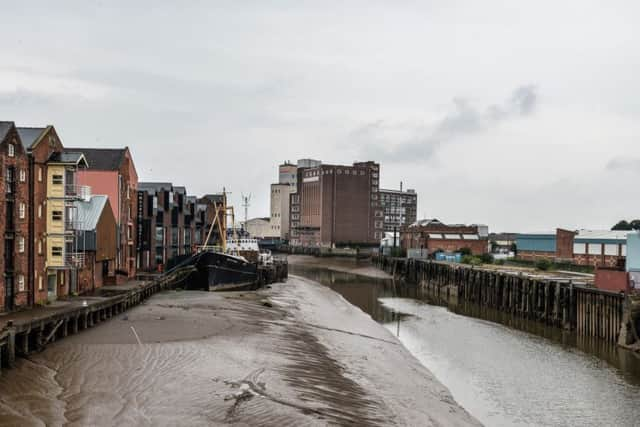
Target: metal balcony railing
[78,192]
[72,225]
[74,259]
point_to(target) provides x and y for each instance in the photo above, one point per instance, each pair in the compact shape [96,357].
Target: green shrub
[465,251]
[471,260]
[499,262]
[543,264]
[486,258]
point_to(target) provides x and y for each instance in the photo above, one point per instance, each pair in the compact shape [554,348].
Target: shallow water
[505,371]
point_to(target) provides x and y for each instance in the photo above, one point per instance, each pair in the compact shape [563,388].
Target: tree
[622,225]
[630,225]
[465,251]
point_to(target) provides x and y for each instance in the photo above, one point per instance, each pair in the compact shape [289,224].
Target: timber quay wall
[20,338]
[558,302]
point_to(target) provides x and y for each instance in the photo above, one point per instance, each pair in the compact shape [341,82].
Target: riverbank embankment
[295,353]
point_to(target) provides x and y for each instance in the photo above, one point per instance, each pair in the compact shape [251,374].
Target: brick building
[400,208]
[41,144]
[430,235]
[336,205]
[170,223]
[96,240]
[113,173]
[14,220]
[583,247]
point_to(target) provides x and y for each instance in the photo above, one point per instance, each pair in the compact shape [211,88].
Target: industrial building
[336,205]
[399,207]
[598,248]
[427,236]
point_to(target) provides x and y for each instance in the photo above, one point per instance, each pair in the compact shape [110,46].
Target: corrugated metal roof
[30,135]
[602,235]
[89,212]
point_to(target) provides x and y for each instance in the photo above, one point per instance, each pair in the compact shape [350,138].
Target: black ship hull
[219,271]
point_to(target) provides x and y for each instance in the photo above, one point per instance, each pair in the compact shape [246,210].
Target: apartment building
[170,225]
[336,205]
[112,172]
[14,220]
[96,240]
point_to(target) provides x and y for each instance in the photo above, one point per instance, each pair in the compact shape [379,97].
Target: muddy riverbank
[294,354]
[505,370]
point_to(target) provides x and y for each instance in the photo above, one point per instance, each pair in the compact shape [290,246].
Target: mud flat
[344,265]
[294,354]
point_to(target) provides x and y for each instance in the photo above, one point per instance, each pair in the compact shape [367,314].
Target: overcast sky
[521,115]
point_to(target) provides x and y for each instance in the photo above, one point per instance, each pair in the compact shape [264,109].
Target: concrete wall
[633,252]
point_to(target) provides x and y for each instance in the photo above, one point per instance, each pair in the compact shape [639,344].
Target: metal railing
[209,248]
[75,191]
[74,259]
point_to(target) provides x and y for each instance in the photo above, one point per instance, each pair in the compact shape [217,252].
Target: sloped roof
[5,127]
[29,136]
[68,157]
[89,211]
[108,159]
[155,186]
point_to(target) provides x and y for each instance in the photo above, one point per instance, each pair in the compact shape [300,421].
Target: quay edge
[558,302]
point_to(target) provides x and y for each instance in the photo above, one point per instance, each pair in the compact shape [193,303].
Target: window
[22,210]
[56,215]
[579,249]
[21,244]
[57,179]
[40,285]
[23,175]
[128,194]
[39,246]
[12,150]
[39,173]
[56,251]
[611,249]
[595,249]
[40,211]
[20,283]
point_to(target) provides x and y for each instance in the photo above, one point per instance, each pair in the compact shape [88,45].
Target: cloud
[627,164]
[419,142]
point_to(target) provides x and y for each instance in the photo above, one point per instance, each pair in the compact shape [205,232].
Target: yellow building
[62,258]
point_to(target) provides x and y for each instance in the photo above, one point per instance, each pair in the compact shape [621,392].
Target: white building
[287,184]
[258,228]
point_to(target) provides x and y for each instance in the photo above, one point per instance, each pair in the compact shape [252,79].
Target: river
[505,371]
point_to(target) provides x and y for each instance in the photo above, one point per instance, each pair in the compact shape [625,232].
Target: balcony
[74,259]
[72,225]
[77,192]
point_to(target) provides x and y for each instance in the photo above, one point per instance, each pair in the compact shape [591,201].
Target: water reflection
[505,370]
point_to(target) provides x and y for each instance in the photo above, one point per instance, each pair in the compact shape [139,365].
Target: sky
[521,115]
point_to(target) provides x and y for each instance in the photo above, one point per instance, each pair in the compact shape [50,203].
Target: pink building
[112,172]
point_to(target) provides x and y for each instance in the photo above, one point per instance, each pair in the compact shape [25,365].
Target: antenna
[245,204]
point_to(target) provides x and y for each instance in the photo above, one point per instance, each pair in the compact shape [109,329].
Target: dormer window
[12,150]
